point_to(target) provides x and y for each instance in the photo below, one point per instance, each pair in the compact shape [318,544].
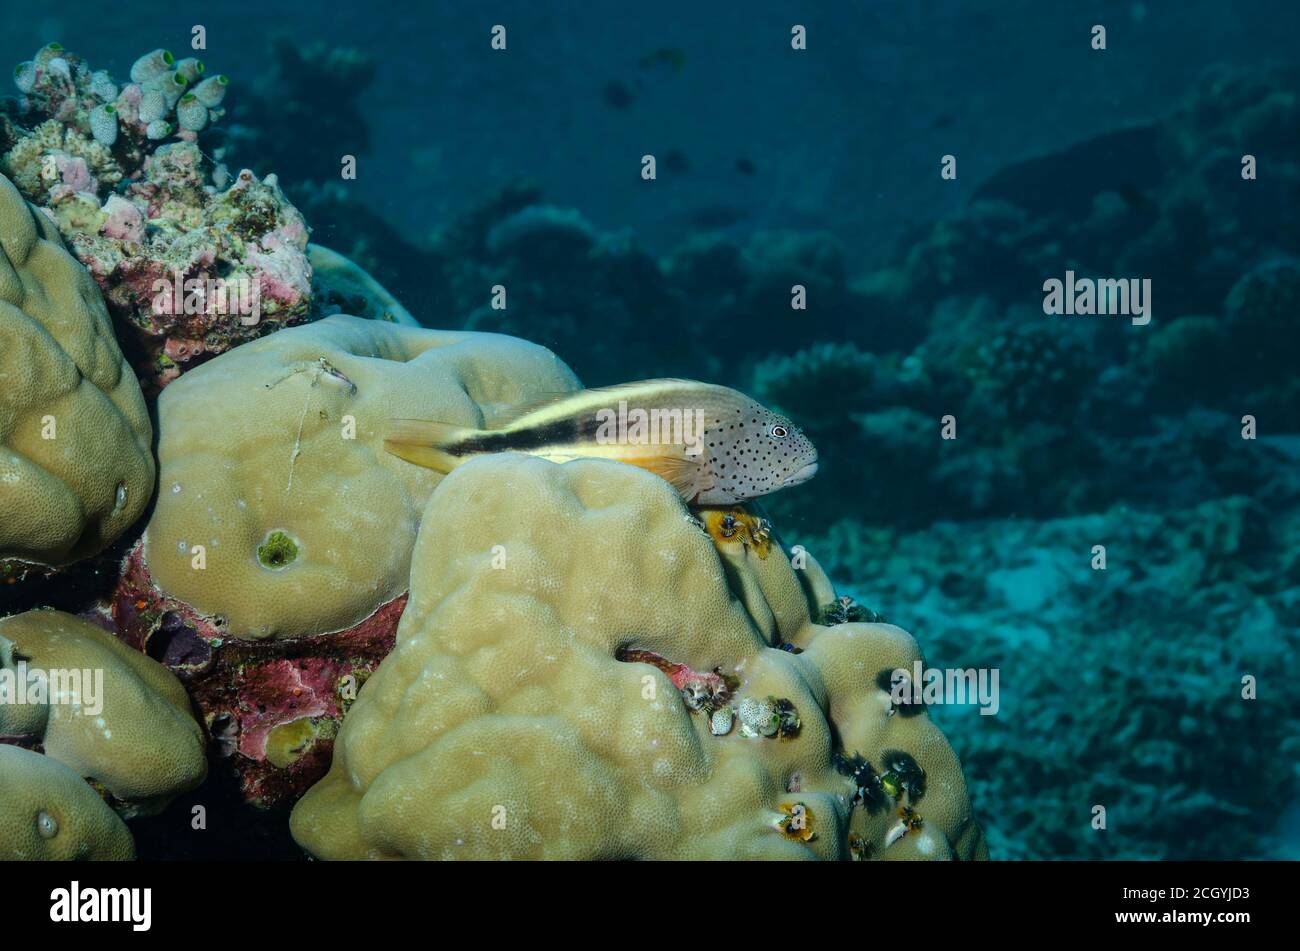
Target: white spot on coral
[47,825]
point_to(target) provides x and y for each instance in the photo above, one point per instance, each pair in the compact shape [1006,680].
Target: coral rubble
[191,259]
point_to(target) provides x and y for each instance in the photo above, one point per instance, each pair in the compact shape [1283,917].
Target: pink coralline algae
[212,271]
[73,176]
[272,708]
[701,690]
[123,221]
[190,260]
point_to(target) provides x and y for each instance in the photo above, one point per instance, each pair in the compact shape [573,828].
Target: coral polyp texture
[107,712]
[90,731]
[547,699]
[49,813]
[274,567]
[271,463]
[76,468]
[192,259]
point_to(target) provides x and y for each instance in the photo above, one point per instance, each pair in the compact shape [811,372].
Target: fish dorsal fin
[613,393]
[506,413]
[661,381]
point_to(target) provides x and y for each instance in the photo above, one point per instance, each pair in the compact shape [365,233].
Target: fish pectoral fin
[679,471]
[426,443]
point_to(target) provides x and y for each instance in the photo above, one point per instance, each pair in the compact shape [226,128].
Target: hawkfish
[715,446]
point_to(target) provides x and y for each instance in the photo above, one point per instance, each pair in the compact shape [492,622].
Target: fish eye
[779,431]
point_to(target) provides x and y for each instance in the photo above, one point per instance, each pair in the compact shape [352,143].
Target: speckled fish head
[753,451]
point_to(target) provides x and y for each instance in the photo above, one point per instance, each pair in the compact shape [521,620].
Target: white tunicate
[103,125]
[158,130]
[172,86]
[47,825]
[190,68]
[153,106]
[150,65]
[25,77]
[183,547]
[211,91]
[176,488]
[191,114]
[102,86]
[119,501]
[59,67]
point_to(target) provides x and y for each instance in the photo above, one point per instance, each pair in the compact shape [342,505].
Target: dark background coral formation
[924,299]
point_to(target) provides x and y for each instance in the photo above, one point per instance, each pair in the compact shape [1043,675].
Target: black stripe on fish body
[559,433]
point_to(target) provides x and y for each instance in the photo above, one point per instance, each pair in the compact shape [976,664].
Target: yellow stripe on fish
[713,444]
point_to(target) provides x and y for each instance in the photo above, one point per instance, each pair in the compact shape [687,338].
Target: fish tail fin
[425,443]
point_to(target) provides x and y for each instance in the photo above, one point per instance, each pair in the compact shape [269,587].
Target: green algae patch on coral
[286,743]
[285,434]
[278,551]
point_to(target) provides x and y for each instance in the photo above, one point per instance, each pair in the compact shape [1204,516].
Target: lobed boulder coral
[274,567]
[580,673]
[49,813]
[119,718]
[340,286]
[271,459]
[76,468]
